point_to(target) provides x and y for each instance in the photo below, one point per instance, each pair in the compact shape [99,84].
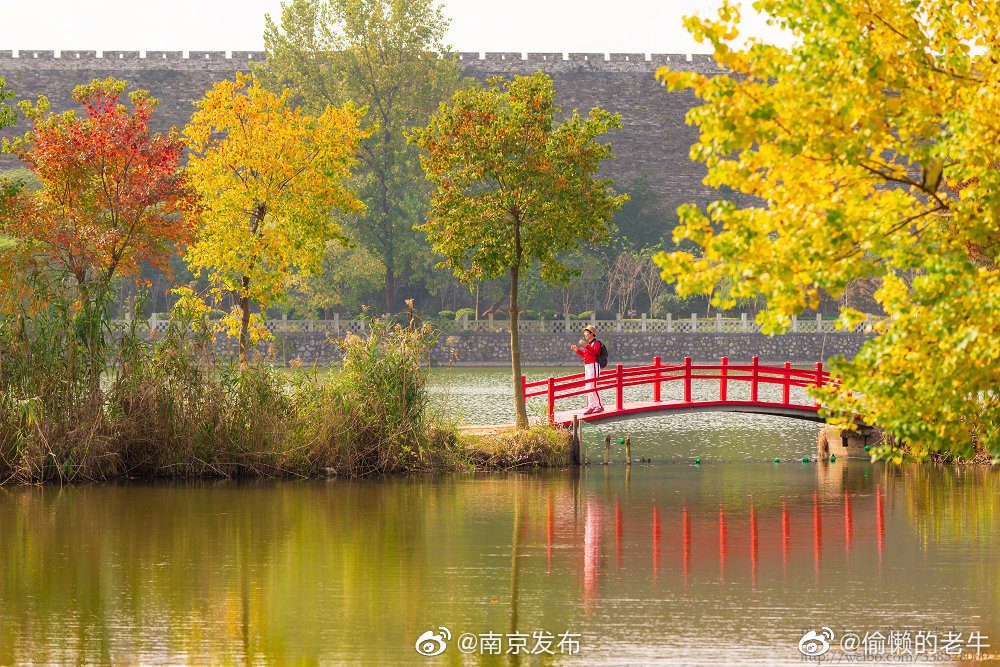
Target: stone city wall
[654,140]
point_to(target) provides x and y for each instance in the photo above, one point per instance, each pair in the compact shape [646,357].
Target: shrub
[548,314]
[447,314]
[465,313]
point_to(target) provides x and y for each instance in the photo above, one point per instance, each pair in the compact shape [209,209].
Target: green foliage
[641,223]
[348,278]
[465,313]
[27,180]
[8,117]
[504,169]
[675,305]
[387,56]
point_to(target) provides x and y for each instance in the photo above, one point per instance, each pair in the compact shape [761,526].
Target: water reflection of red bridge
[686,535]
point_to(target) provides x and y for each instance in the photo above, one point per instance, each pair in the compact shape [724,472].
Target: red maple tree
[113,192]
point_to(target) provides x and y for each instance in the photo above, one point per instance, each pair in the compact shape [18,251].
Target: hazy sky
[636,26]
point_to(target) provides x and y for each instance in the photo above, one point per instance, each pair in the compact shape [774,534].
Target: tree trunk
[521,412]
[390,282]
[245,320]
[388,254]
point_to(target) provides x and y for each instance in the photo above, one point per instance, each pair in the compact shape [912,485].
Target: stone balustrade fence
[691,324]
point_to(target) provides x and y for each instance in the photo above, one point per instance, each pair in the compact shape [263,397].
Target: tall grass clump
[179,411]
[53,354]
[82,399]
[370,417]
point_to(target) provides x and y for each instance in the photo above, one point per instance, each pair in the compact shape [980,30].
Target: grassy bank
[170,409]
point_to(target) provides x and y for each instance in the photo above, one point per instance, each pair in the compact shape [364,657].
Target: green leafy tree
[388,56]
[642,223]
[10,184]
[514,187]
[871,147]
[8,117]
[347,279]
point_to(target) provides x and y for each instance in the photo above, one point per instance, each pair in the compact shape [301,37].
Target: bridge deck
[636,409]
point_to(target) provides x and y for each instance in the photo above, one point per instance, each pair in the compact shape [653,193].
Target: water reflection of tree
[356,571]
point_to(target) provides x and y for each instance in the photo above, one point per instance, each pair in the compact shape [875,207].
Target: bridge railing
[657,374]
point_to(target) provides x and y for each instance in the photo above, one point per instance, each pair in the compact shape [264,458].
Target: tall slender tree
[515,187]
[388,56]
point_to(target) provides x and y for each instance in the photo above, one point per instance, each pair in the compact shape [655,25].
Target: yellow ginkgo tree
[867,150]
[270,181]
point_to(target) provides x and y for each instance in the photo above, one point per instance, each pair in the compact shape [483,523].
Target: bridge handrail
[658,374]
[642,376]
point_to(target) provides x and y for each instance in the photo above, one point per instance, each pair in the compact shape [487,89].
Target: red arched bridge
[728,376]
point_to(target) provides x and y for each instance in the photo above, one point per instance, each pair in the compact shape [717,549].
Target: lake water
[730,561]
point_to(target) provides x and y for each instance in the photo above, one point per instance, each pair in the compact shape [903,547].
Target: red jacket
[590,352]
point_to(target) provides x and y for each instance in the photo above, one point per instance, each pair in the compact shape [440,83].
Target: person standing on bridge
[591,368]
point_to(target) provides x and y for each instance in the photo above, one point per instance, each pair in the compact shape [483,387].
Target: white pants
[591,371]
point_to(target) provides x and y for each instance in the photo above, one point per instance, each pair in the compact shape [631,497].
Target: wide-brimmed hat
[591,328]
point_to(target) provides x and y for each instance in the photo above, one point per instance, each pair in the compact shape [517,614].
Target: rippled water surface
[730,561]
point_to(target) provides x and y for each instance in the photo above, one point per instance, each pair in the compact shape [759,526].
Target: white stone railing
[644,324]
[692,324]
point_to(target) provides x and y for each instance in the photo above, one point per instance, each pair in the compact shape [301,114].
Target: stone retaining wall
[489,349]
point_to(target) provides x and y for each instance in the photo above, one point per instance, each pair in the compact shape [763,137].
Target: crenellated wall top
[473,60]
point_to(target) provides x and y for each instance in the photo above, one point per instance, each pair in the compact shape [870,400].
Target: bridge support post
[607,449]
[754,363]
[524,392]
[787,386]
[628,451]
[687,379]
[618,387]
[552,401]
[819,375]
[656,383]
[723,381]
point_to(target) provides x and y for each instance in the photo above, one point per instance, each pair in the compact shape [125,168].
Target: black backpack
[602,356]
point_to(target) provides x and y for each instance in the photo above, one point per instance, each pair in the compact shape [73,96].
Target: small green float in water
[805,459]
[775,459]
[698,460]
[833,459]
[621,441]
